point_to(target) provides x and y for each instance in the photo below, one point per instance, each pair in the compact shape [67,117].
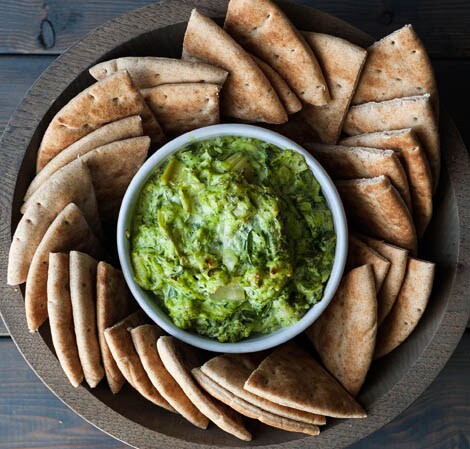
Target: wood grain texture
[392,384]
[51,26]
[30,416]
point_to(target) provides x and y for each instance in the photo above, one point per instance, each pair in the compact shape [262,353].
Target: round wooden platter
[393,382]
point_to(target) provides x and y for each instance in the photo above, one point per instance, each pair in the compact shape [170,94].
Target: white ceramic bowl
[144,298]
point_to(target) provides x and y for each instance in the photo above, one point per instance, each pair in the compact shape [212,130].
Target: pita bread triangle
[151,71]
[409,112]
[59,308]
[231,371]
[359,253]
[285,93]
[415,163]
[69,185]
[344,335]
[122,348]
[346,162]
[332,52]
[398,258]
[375,205]
[252,411]
[179,360]
[113,303]
[105,101]
[263,29]
[118,130]
[145,342]
[112,168]
[247,93]
[183,107]
[397,66]
[82,270]
[408,307]
[291,377]
[68,231]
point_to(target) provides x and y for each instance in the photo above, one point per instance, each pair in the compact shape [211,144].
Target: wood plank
[31,416]
[35,26]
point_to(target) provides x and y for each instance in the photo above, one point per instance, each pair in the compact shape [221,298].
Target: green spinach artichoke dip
[233,236]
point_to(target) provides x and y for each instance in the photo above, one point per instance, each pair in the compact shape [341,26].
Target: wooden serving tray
[393,382]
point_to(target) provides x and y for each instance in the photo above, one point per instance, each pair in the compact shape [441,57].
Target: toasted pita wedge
[398,258]
[149,71]
[344,335]
[377,207]
[262,28]
[120,344]
[250,410]
[361,254]
[183,107]
[332,52]
[291,377]
[72,184]
[409,112]
[344,162]
[247,93]
[108,100]
[112,168]
[397,66]
[408,308]
[118,130]
[179,361]
[83,296]
[231,371]
[113,303]
[68,231]
[415,163]
[145,342]
[59,308]
[285,93]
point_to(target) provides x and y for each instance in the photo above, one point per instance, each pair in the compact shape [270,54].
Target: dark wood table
[34,32]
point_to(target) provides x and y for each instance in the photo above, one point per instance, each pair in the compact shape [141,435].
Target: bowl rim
[126,212]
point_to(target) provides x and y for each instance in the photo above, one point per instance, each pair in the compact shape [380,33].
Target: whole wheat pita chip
[150,71]
[397,66]
[183,107]
[120,344]
[82,269]
[118,130]
[341,77]
[247,93]
[72,184]
[343,162]
[344,335]
[113,303]
[231,371]
[59,308]
[285,93]
[408,308]
[112,168]
[105,101]
[262,28]
[376,206]
[291,377]
[361,254]
[179,360]
[410,112]
[68,231]
[145,342]
[250,410]
[398,258]
[415,163]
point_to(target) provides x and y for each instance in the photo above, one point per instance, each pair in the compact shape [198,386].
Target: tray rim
[18,133]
